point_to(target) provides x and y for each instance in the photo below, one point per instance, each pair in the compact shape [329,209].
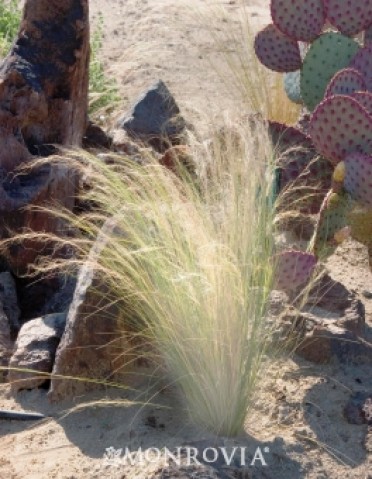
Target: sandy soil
[299,418]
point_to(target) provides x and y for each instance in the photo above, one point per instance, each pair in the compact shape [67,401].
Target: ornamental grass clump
[190,257]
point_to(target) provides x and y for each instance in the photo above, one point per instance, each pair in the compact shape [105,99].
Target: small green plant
[103,91]
[10,16]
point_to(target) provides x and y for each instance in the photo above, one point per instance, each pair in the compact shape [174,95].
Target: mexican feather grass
[190,257]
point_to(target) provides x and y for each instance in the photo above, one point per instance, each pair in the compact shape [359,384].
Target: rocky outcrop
[332,324]
[92,345]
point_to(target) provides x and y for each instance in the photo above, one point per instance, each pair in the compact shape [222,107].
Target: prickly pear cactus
[299,19]
[292,86]
[346,82]
[358,178]
[277,51]
[293,269]
[350,17]
[341,125]
[327,55]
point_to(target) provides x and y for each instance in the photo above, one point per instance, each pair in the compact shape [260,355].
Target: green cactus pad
[292,86]
[328,54]
[340,125]
[350,17]
[360,221]
[362,62]
[293,270]
[332,218]
[277,51]
[358,178]
[299,19]
[346,82]
[365,99]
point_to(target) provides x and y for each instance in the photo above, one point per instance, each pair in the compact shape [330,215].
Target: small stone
[35,349]
[359,409]
[278,302]
[367,294]
[96,137]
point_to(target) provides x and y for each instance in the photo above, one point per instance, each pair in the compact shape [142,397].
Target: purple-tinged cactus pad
[340,125]
[368,36]
[350,17]
[328,54]
[362,62]
[365,99]
[358,178]
[293,269]
[277,51]
[285,137]
[346,82]
[299,19]
[303,175]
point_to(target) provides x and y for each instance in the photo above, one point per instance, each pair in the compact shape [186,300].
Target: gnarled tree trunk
[43,103]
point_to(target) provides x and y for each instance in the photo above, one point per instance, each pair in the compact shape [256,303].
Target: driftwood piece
[43,103]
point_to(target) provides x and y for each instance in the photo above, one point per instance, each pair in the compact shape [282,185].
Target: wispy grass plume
[191,258]
[255,88]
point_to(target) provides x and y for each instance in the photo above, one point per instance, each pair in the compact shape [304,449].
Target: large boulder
[92,346]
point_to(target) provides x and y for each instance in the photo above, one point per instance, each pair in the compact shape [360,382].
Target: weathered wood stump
[43,103]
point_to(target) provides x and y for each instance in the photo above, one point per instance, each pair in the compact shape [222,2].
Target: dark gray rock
[155,118]
[9,300]
[359,409]
[331,341]
[332,325]
[35,349]
[96,137]
[60,301]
